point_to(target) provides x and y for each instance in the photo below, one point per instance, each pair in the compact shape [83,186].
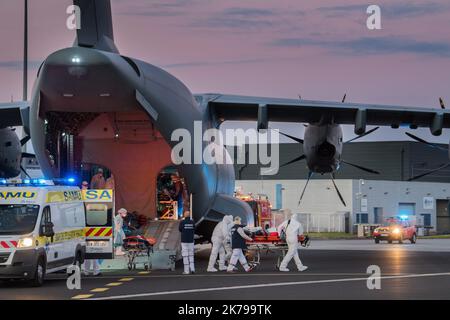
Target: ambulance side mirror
[47,230]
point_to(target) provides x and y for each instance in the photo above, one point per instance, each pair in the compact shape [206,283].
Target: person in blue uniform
[187,229]
[238,244]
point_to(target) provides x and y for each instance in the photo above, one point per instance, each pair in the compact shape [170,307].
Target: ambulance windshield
[18,219]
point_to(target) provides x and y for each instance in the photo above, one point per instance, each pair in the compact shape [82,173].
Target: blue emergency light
[404,217]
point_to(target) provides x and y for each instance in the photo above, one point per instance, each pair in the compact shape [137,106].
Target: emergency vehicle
[99,231]
[396,229]
[41,229]
[262,209]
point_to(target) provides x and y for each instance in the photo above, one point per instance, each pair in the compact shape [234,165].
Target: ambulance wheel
[400,241]
[377,241]
[389,241]
[78,260]
[39,274]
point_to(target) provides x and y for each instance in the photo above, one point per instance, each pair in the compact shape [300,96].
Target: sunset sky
[319,49]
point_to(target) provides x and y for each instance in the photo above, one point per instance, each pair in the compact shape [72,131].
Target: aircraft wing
[13,114]
[243,108]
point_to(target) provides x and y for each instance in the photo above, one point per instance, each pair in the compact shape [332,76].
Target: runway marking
[280,284]
[126,279]
[144,272]
[82,296]
[99,290]
[114,284]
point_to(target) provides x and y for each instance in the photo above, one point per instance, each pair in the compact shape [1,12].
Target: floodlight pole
[25,53]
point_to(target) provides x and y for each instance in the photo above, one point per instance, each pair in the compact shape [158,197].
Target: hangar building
[369,198]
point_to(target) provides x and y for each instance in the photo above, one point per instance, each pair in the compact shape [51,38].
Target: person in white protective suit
[219,240]
[91,265]
[292,228]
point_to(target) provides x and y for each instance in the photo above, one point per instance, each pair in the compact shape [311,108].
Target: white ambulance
[41,229]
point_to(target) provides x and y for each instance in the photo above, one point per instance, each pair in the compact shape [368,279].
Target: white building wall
[389,194]
[323,211]
[320,210]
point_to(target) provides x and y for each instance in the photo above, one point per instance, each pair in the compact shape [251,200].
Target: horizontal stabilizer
[11,114]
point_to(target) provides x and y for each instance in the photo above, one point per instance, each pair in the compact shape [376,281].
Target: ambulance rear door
[99,223]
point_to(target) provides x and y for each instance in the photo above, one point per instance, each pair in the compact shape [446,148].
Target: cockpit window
[18,219]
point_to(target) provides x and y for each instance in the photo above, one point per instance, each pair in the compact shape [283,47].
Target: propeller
[25,140]
[28,155]
[363,135]
[441,102]
[430,172]
[301,141]
[302,157]
[360,167]
[25,171]
[293,138]
[310,174]
[344,98]
[433,145]
[337,190]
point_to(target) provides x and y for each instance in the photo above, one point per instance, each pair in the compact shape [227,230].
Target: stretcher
[271,243]
[138,252]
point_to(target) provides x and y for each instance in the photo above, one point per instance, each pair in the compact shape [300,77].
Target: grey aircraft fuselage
[80,79]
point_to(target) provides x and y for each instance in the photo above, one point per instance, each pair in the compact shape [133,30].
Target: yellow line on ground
[100,290]
[114,284]
[144,272]
[82,296]
[126,279]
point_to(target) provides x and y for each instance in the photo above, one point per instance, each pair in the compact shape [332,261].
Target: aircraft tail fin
[96,29]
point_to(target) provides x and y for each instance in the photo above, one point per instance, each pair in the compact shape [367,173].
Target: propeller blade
[293,138]
[344,98]
[425,142]
[25,140]
[363,135]
[28,155]
[430,172]
[360,167]
[302,157]
[310,174]
[337,190]
[25,172]
[289,136]
[441,102]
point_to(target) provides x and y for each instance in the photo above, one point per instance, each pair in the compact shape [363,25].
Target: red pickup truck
[396,230]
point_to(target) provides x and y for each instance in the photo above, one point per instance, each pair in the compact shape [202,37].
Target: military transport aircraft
[77,85]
